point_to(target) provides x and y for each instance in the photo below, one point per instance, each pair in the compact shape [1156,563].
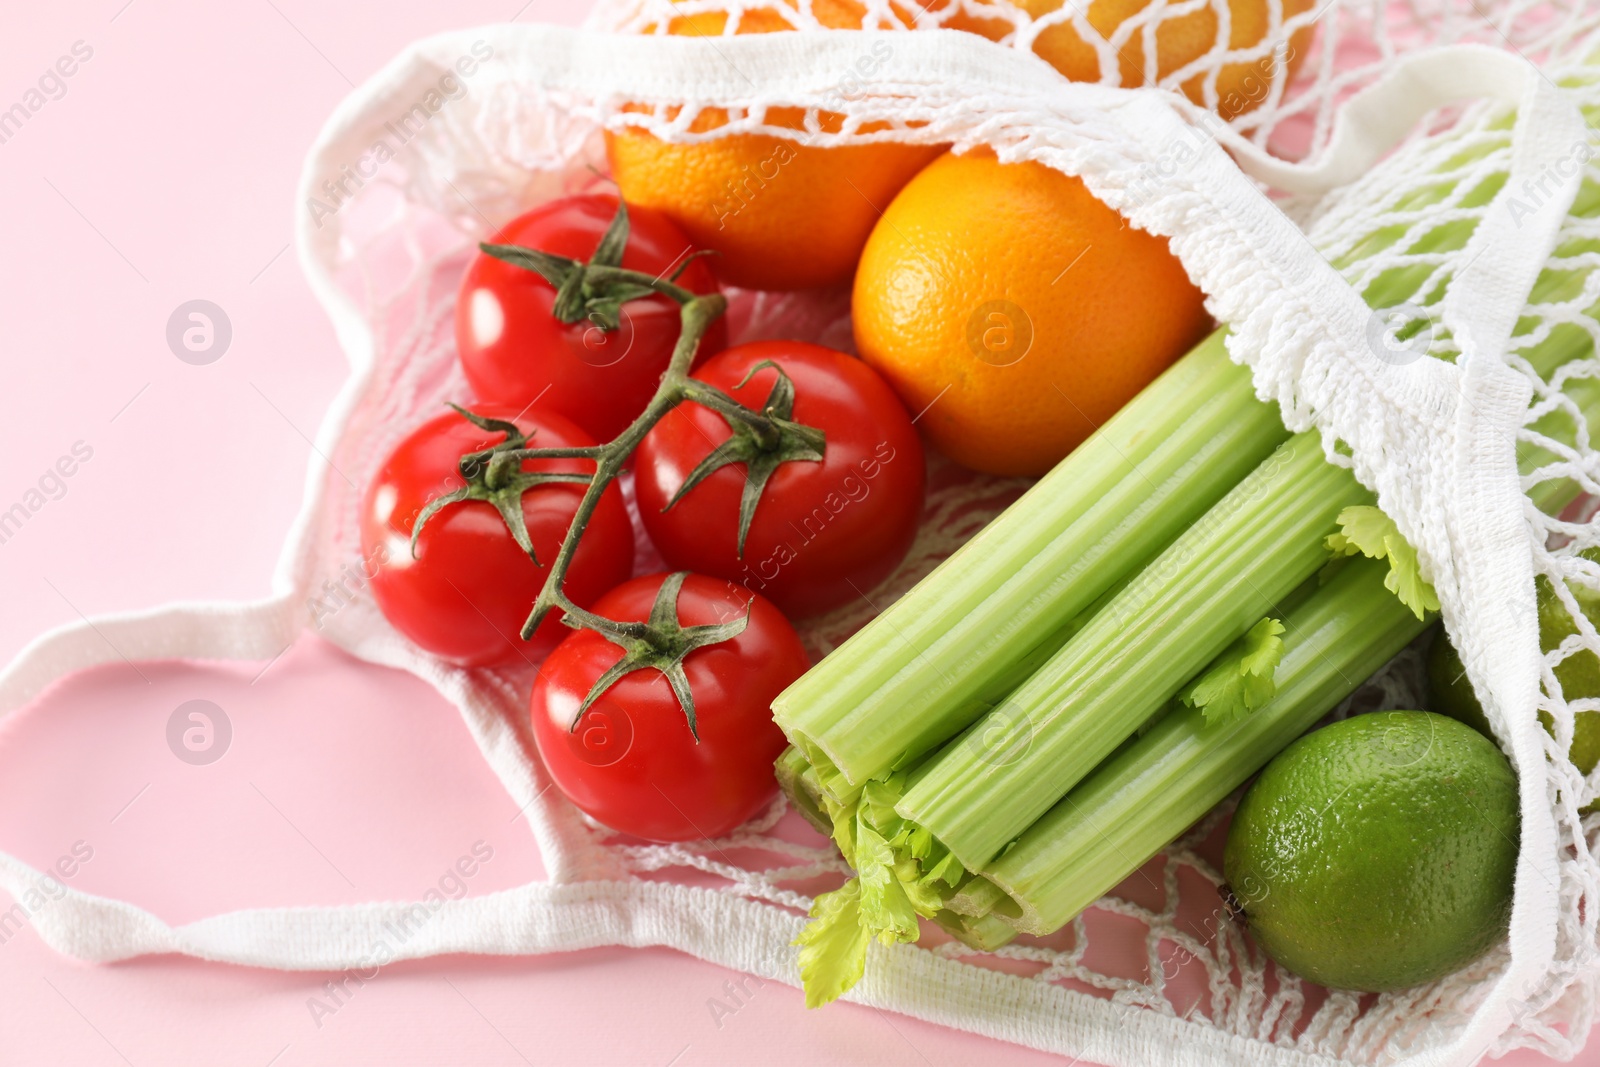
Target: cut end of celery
[984,933]
[798,780]
[828,781]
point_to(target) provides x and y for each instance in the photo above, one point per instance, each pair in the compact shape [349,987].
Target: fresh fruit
[1180,40]
[1377,853]
[515,352]
[1578,676]
[464,594]
[781,214]
[784,15]
[634,759]
[826,529]
[1015,311]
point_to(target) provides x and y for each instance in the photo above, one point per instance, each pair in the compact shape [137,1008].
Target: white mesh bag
[1397,111]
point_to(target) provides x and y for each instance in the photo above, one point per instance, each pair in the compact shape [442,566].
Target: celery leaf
[844,829]
[1373,534]
[1240,681]
[947,870]
[886,911]
[833,945]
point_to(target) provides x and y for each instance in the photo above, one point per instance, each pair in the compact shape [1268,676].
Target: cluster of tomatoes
[651,706]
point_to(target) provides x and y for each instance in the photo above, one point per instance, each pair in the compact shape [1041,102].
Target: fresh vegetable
[949,647]
[1014,312]
[720,498]
[1377,853]
[599,291]
[1208,588]
[1243,678]
[654,717]
[664,732]
[464,591]
[1133,805]
[600,367]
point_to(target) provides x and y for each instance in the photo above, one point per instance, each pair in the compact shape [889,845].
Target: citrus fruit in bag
[786,15]
[1180,40]
[1014,311]
[1377,853]
[1578,676]
[780,213]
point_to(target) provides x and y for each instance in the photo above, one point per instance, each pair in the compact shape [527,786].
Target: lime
[1377,853]
[1578,675]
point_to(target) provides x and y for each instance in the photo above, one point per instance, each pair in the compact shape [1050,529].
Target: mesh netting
[406,238]
[1277,70]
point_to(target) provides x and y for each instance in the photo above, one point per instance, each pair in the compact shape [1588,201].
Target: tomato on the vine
[516,352]
[631,759]
[824,532]
[465,594]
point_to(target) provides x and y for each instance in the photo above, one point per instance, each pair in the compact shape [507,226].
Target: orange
[781,214]
[1013,312]
[1241,87]
[832,14]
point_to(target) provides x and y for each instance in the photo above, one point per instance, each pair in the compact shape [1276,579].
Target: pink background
[165,172]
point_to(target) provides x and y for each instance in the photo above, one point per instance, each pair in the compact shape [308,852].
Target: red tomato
[468,591]
[515,352]
[824,532]
[631,762]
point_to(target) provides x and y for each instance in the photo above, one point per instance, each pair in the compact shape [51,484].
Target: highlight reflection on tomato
[824,533]
[469,589]
[515,352]
[631,762]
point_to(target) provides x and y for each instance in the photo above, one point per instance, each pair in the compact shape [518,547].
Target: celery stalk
[1132,807]
[932,663]
[1177,615]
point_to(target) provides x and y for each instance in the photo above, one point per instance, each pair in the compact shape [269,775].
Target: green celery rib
[1212,584]
[1130,808]
[936,660]
[804,782]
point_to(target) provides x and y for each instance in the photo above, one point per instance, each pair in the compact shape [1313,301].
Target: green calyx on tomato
[595,290]
[630,764]
[659,644]
[495,476]
[762,443]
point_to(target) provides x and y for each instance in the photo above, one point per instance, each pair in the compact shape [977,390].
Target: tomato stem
[761,439]
[708,395]
[697,313]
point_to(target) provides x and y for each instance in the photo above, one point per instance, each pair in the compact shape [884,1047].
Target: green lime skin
[1578,674]
[1377,853]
